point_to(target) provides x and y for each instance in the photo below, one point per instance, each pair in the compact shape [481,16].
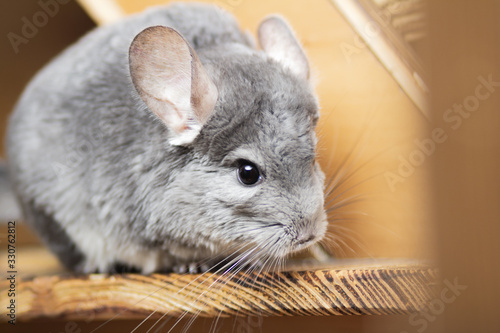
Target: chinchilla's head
[247,117]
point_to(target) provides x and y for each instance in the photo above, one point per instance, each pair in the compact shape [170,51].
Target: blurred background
[417,177]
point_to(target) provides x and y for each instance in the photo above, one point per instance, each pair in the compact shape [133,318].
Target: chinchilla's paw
[192,268]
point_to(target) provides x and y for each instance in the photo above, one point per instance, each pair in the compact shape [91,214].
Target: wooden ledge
[345,288]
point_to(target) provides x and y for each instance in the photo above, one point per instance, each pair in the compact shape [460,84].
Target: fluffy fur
[96,176]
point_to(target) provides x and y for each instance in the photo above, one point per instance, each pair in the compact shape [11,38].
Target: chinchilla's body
[149,154]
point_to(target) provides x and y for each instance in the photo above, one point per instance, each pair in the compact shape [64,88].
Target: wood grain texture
[376,290]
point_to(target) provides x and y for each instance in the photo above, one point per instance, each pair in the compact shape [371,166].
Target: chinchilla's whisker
[334,201]
[246,279]
[160,327]
[331,199]
[340,174]
[144,320]
[230,274]
[341,170]
[258,269]
[333,148]
[334,215]
[234,266]
[213,326]
[345,202]
[339,228]
[332,242]
[348,175]
[352,187]
[372,223]
[195,280]
[222,278]
[340,234]
[344,245]
[123,311]
[342,219]
[336,190]
[154,311]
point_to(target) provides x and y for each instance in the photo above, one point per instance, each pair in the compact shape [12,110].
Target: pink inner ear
[160,66]
[278,41]
[171,81]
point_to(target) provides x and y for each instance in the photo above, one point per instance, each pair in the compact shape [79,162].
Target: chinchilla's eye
[248,173]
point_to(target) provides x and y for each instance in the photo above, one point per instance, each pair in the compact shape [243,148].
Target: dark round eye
[248,173]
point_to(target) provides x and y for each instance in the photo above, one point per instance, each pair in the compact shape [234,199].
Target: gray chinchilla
[167,140]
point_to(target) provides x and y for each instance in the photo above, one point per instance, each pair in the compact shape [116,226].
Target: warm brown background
[16,69]
[466,182]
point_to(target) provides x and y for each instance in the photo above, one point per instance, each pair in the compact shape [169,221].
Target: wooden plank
[356,288]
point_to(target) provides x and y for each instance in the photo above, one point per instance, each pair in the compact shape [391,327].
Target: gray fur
[9,210]
[84,150]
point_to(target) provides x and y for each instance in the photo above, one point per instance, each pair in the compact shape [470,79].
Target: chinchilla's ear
[278,40]
[172,82]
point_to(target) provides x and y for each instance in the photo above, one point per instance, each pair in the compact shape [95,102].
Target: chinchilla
[169,140]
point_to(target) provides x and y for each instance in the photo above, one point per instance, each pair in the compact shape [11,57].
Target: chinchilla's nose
[311,227]
[304,238]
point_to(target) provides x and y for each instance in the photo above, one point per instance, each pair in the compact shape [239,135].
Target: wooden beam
[102,11]
[389,47]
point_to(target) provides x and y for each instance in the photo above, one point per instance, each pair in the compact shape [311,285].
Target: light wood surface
[353,288]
